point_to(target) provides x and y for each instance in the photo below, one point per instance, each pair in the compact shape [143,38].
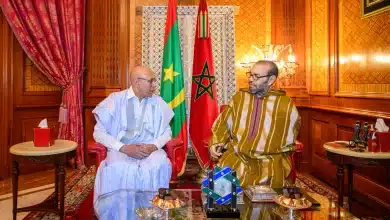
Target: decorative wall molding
[360,72]
[320,47]
[351,111]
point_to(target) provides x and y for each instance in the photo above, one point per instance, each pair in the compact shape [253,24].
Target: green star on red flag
[204,82]
[204,106]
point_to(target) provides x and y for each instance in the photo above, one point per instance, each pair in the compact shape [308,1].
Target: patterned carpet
[312,184]
[77,187]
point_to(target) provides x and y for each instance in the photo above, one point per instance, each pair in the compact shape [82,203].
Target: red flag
[204,107]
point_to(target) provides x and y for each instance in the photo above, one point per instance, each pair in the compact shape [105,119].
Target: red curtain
[51,32]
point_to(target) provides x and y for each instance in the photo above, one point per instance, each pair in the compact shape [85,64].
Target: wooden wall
[109,52]
[6,45]
[345,84]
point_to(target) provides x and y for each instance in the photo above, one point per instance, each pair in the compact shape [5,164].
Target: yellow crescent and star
[169,74]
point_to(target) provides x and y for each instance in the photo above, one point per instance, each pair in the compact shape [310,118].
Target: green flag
[172,83]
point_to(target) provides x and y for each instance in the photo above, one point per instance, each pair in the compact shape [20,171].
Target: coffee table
[125,204]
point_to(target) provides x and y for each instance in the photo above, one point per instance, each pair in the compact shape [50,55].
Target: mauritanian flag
[172,82]
[204,105]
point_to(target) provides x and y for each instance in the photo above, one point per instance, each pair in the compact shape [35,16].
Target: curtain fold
[51,33]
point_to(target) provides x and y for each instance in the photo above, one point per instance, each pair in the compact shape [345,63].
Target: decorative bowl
[301,203]
[167,199]
[292,198]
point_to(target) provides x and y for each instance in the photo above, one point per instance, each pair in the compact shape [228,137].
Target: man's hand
[136,151]
[216,151]
[150,148]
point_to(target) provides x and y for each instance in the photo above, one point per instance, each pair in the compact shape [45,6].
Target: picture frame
[373,7]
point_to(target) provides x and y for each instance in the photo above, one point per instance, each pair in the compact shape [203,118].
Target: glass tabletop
[135,204]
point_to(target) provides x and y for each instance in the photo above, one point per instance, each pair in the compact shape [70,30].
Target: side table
[55,154]
[342,156]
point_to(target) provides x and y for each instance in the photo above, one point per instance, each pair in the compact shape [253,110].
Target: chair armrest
[172,147]
[98,149]
[299,147]
[174,143]
[295,157]
[222,107]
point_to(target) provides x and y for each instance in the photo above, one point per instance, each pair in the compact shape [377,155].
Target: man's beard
[261,90]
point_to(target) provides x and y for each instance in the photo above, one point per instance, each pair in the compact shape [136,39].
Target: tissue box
[43,137]
[383,141]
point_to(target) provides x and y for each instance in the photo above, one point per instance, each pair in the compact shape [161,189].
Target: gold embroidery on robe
[258,134]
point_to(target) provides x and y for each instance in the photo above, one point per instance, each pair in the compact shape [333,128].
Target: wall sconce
[271,52]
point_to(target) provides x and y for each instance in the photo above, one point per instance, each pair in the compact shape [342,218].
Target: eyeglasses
[255,76]
[150,81]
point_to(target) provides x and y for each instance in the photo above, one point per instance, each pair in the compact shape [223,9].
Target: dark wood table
[55,154]
[342,156]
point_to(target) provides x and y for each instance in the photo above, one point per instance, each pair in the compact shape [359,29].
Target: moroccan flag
[172,82]
[204,107]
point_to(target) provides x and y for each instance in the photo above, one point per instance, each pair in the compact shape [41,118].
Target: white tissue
[381,126]
[43,123]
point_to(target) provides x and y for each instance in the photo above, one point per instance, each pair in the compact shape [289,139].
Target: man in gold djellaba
[257,130]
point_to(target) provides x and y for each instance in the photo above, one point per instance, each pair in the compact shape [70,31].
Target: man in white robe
[134,126]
